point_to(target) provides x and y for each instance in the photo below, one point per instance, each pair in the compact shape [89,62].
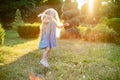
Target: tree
[111,9]
[29,9]
[70,13]
[8,9]
[18,21]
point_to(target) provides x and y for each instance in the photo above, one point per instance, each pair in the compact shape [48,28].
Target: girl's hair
[53,14]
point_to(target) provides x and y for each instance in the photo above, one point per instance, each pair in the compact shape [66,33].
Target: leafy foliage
[111,9]
[2,35]
[100,33]
[103,20]
[29,9]
[114,23]
[70,33]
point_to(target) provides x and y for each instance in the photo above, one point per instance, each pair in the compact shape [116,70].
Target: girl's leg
[45,56]
[46,53]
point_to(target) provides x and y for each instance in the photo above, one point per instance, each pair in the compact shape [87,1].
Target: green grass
[70,60]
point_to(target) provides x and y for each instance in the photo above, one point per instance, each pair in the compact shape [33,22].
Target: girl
[50,20]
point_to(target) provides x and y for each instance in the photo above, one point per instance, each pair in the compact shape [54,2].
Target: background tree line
[102,25]
[31,8]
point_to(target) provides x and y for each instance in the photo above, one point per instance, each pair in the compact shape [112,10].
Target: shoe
[44,63]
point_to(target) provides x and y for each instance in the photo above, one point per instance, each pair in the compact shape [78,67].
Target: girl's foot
[44,63]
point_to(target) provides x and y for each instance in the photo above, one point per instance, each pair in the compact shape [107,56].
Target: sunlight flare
[91,5]
[80,3]
[103,3]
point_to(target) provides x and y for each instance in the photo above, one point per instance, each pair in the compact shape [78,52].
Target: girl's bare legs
[45,57]
[46,53]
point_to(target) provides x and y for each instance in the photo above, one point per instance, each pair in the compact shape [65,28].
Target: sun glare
[80,3]
[91,5]
[104,3]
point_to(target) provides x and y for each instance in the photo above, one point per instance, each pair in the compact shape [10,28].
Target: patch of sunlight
[12,53]
[1,64]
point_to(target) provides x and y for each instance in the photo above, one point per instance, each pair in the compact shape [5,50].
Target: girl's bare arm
[63,25]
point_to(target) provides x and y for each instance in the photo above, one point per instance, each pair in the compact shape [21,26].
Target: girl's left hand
[66,24]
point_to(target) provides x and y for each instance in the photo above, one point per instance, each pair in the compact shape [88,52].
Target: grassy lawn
[70,60]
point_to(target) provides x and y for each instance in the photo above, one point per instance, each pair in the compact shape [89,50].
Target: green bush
[85,31]
[103,20]
[114,23]
[29,31]
[70,33]
[2,34]
[100,33]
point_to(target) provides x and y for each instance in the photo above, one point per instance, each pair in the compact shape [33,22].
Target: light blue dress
[48,35]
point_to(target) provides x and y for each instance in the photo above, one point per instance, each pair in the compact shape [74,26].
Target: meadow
[72,59]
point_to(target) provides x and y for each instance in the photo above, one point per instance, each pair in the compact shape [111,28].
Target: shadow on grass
[20,69]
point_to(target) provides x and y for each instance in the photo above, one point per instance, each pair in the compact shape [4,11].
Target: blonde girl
[50,20]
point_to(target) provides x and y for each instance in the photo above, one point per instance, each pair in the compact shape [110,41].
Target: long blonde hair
[51,13]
